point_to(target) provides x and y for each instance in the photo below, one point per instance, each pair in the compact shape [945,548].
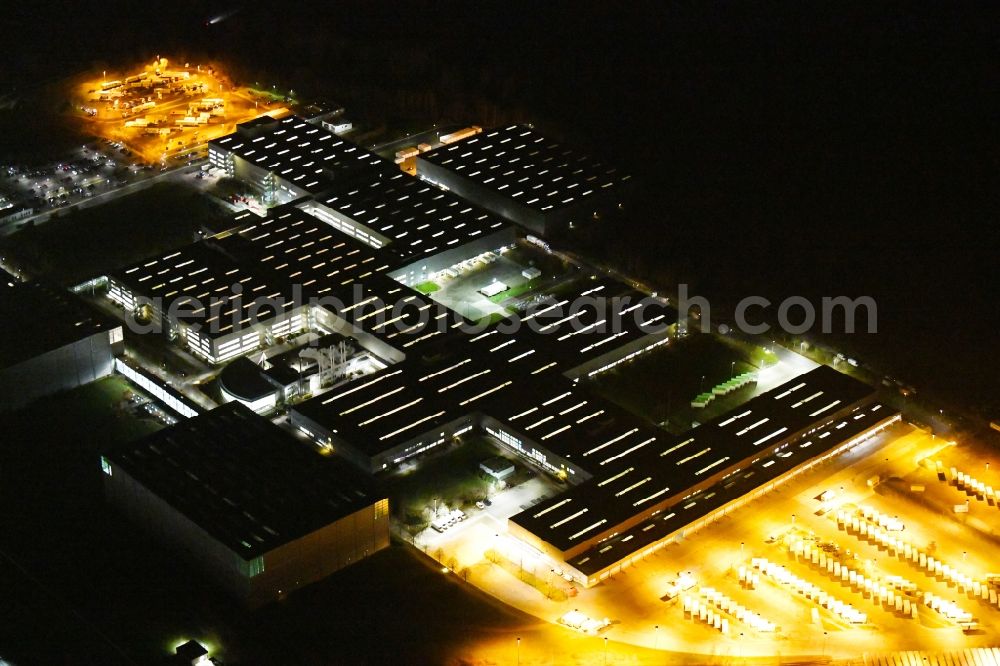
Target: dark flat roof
[458,374]
[497,465]
[244,480]
[200,278]
[591,432]
[287,257]
[7,280]
[306,155]
[595,318]
[519,163]
[636,464]
[419,218]
[40,317]
[700,504]
[508,376]
[378,411]
[191,650]
[281,375]
[246,380]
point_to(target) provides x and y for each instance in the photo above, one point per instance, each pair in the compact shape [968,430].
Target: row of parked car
[445,523]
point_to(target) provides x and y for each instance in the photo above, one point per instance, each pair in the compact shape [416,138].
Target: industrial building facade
[354,219]
[525,177]
[362,234]
[60,345]
[641,500]
[632,487]
[257,511]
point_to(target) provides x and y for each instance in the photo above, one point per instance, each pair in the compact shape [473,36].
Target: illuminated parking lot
[843,561]
[165,109]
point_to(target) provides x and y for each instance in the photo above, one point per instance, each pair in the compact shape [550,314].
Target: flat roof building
[208,295]
[192,653]
[704,505]
[258,511]
[344,260]
[267,279]
[244,381]
[53,341]
[527,178]
[623,471]
[425,228]
[497,467]
[461,380]
[289,158]
[648,486]
[6,281]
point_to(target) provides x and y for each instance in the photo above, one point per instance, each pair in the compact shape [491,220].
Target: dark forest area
[783,149]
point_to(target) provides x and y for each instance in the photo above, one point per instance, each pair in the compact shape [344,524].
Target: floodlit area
[165,109]
[439,496]
[496,284]
[889,546]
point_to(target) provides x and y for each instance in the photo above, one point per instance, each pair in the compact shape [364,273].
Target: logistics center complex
[259,512]
[348,238]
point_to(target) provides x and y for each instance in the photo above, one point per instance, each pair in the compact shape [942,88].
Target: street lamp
[656,637]
[518,651]
[605,651]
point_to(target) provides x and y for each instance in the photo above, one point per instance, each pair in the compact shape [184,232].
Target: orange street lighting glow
[163,110]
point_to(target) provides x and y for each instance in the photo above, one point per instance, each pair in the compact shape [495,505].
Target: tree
[228,187]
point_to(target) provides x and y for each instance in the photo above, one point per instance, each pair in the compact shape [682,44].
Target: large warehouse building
[345,259]
[648,488]
[375,227]
[406,409]
[259,283]
[426,229]
[529,179]
[258,511]
[53,342]
[633,487]
[289,158]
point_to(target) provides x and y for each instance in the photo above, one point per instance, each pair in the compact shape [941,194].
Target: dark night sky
[800,147]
